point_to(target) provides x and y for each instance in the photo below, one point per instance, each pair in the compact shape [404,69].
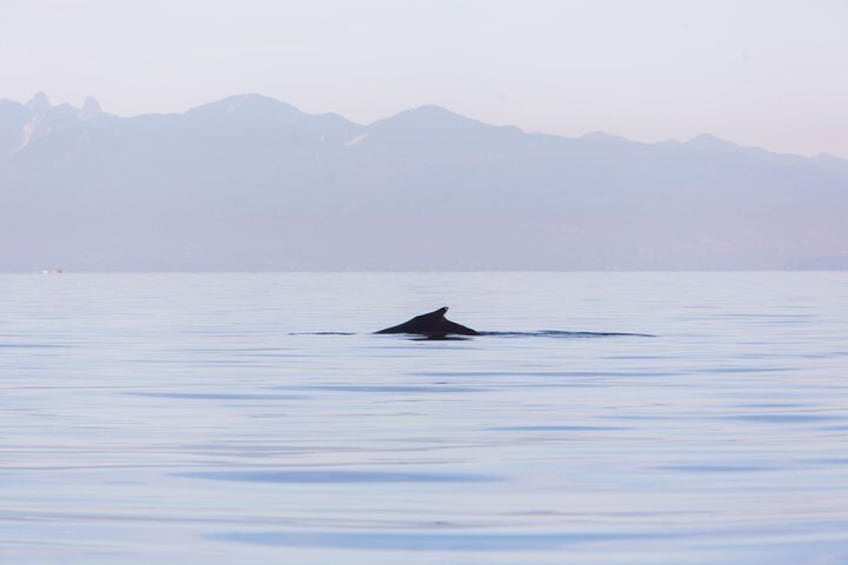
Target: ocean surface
[253,418]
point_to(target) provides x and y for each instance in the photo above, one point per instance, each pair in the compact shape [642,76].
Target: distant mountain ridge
[252,183]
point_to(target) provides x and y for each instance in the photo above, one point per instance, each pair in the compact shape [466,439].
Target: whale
[432,325]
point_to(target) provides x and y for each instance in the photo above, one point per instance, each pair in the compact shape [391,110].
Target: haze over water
[176,418]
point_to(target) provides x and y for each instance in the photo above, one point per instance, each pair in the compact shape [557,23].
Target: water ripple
[334,476]
[494,541]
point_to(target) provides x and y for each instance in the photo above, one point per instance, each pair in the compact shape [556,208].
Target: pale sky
[771,73]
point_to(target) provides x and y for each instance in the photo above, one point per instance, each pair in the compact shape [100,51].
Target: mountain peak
[90,108]
[709,141]
[430,112]
[427,118]
[602,136]
[39,103]
[434,110]
[247,105]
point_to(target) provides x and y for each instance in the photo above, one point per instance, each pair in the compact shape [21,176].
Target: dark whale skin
[433,325]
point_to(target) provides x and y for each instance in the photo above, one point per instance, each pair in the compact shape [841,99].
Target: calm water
[199,419]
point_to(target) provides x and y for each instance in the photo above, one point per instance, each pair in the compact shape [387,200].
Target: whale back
[432,324]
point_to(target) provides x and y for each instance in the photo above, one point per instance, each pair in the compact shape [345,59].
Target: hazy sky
[772,73]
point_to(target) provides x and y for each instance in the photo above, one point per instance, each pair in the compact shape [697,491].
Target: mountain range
[252,183]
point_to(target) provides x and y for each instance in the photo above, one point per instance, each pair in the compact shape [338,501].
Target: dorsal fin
[432,324]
